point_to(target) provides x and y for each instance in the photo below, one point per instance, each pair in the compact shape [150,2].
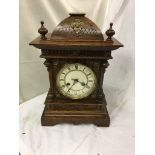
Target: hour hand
[84,84]
[75,80]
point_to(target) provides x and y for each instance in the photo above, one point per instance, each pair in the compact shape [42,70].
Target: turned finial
[110,32]
[43,31]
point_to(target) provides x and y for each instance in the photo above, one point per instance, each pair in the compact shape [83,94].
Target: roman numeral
[75,93]
[88,74]
[76,66]
[90,80]
[87,86]
[69,69]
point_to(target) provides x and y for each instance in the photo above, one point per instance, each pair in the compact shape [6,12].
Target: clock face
[76,81]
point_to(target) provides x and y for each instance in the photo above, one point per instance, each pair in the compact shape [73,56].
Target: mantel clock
[76,55]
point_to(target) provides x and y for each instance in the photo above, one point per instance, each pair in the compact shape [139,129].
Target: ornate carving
[77,25]
[47,64]
[55,69]
[103,65]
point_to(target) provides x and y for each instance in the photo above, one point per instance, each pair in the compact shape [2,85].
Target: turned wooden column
[103,65]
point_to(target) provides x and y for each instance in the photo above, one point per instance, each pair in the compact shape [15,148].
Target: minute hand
[72,86]
[84,84]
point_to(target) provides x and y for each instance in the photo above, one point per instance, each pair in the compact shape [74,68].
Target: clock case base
[78,112]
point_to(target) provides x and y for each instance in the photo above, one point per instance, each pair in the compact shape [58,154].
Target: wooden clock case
[76,40]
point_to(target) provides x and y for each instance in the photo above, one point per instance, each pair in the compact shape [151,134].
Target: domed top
[77,27]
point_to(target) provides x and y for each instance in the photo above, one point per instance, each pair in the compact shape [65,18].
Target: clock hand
[72,86]
[77,80]
[67,84]
[82,83]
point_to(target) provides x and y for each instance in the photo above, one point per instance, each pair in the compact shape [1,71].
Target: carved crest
[77,25]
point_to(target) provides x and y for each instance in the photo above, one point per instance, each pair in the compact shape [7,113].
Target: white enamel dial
[76,81]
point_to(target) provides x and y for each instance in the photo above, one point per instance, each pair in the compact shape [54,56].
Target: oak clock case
[76,55]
